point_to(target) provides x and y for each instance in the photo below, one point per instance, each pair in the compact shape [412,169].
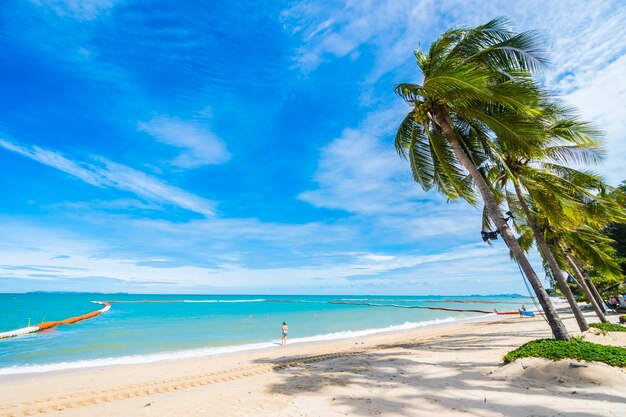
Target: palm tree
[476,81]
[589,244]
[548,256]
[581,241]
[537,170]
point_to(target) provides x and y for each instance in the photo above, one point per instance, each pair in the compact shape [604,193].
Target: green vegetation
[616,230]
[576,348]
[622,319]
[608,327]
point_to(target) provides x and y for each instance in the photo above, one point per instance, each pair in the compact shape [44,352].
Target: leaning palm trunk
[592,288]
[594,292]
[549,257]
[558,329]
[583,286]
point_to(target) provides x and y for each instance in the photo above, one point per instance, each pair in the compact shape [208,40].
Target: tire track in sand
[85,398]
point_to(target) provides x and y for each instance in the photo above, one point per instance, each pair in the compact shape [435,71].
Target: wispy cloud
[78,9]
[381,25]
[362,224]
[360,172]
[200,145]
[586,48]
[111,174]
[601,100]
[354,271]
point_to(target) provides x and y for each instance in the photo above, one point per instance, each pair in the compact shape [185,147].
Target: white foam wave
[256,300]
[360,333]
[209,351]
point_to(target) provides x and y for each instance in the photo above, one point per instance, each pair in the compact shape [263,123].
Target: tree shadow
[361,382]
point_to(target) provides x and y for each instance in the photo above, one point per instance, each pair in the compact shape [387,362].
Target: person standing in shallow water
[283,336]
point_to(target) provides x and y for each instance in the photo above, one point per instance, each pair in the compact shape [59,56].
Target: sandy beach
[449,370]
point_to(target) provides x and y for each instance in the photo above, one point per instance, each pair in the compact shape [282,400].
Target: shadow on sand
[403,380]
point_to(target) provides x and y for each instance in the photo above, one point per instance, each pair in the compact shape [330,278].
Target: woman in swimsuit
[285,329]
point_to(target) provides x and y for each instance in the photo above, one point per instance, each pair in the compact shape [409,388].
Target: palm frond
[403,135]
[409,92]
[523,51]
[450,177]
[494,45]
[574,154]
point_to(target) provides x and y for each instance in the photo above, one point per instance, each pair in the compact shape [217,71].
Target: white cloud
[586,44]
[361,173]
[358,173]
[43,253]
[352,25]
[200,145]
[114,175]
[78,9]
[601,99]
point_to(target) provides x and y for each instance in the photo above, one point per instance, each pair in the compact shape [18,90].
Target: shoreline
[436,370]
[217,351]
[275,352]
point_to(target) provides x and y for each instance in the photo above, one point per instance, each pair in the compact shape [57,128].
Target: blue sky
[246,147]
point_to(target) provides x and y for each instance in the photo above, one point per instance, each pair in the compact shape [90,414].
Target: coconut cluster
[422,108]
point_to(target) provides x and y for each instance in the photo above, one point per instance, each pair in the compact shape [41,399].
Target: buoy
[50,324]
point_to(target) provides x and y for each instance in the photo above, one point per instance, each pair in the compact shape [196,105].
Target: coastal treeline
[482,128]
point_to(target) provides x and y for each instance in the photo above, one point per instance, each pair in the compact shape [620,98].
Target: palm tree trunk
[558,329]
[592,288]
[583,286]
[595,293]
[549,257]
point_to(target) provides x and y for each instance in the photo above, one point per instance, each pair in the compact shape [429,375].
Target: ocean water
[134,331]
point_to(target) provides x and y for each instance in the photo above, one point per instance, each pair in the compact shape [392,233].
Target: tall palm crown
[478,80]
[560,192]
[585,239]
[477,88]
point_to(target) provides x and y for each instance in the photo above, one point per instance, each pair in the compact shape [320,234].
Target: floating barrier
[107,306]
[50,324]
[427,308]
[333,302]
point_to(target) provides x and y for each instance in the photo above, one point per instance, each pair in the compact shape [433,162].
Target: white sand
[444,371]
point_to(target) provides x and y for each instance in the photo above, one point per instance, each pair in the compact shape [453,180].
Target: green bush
[608,327]
[577,348]
[622,319]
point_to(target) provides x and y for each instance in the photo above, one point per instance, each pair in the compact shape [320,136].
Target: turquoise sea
[133,331]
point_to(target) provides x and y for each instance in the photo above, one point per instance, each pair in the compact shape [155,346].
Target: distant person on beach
[283,336]
[523,307]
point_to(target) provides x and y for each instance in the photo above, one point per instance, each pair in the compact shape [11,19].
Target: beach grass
[608,327]
[576,348]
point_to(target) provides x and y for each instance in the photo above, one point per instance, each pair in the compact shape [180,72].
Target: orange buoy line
[107,306]
[428,308]
[339,302]
[144,301]
[51,324]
